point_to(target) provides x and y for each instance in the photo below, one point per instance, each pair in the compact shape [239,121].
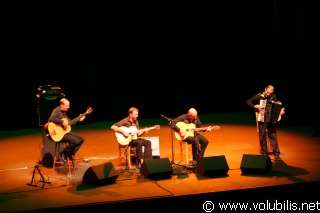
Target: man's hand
[82,118]
[65,122]
[182,132]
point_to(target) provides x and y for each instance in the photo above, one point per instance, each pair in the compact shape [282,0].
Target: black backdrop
[212,61]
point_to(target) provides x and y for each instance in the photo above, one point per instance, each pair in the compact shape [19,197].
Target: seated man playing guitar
[130,133]
[186,129]
[59,128]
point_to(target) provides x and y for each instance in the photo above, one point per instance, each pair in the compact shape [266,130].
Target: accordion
[275,112]
[260,115]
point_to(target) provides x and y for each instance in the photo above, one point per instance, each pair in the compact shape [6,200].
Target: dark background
[165,62]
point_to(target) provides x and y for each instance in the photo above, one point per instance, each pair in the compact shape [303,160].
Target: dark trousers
[199,144]
[139,143]
[270,130]
[74,142]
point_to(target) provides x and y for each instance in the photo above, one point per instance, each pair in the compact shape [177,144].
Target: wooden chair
[126,152]
[57,159]
[185,152]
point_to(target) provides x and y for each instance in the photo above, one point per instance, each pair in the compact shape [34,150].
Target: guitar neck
[199,129]
[82,115]
[89,110]
[145,129]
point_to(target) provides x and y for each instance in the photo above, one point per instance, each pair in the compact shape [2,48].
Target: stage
[291,180]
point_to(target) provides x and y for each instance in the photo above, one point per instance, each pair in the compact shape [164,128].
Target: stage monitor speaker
[214,165]
[255,164]
[156,168]
[100,174]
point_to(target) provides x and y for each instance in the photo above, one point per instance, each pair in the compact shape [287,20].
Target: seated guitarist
[198,141]
[60,117]
[124,127]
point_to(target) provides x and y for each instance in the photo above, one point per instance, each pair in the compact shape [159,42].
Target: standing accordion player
[269,112]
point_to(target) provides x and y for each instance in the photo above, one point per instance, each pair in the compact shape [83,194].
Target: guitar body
[123,140]
[56,131]
[190,129]
[133,134]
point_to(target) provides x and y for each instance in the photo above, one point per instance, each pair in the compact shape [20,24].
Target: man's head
[64,104]
[192,113]
[268,91]
[133,113]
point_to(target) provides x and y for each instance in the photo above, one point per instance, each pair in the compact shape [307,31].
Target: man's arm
[116,127]
[55,116]
[174,122]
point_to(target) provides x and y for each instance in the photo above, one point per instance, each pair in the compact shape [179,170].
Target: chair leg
[184,152]
[120,156]
[128,158]
[127,155]
[56,151]
[181,151]
[69,167]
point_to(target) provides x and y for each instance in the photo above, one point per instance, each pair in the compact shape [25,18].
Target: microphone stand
[171,135]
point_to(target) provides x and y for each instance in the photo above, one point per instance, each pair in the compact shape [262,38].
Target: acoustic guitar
[57,131]
[133,134]
[190,129]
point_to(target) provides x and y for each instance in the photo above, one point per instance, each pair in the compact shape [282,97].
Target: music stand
[171,135]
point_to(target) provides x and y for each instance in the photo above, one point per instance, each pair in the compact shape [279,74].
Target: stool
[126,151]
[57,159]
[185,148]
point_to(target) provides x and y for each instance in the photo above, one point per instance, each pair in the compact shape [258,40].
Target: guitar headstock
[89,110]
[216,127]
[213,128]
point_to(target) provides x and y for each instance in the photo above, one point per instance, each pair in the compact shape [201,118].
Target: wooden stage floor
[292,179]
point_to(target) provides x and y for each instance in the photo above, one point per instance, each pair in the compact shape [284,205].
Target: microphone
[169,119]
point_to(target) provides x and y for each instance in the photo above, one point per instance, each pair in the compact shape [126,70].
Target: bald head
[192,113]
[64,101]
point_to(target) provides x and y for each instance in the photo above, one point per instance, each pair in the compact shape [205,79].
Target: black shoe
[262,153]
[71,157]
[138,163]
[62,157]
[193,163]
[68,154]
